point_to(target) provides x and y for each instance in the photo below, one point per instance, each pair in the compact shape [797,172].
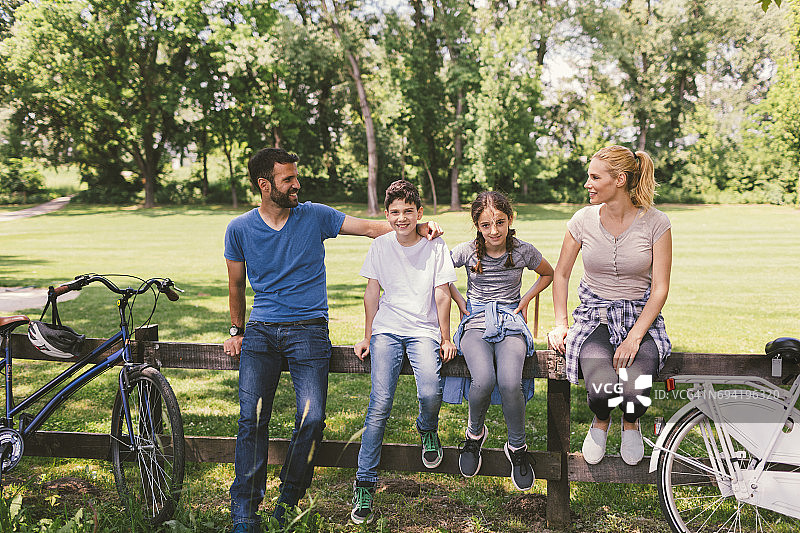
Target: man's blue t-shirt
[286,268]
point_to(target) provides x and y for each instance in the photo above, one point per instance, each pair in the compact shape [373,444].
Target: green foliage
[708,261]
[506,108]
[20,180]
[11,516]
[456,89]
[14,518]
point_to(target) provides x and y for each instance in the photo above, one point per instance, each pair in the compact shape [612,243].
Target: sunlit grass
[734,287]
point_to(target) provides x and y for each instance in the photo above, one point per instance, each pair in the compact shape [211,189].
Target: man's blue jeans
[307,350]
[386,359]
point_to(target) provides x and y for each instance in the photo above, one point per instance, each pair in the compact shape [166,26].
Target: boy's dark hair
[262,165]
[402,190]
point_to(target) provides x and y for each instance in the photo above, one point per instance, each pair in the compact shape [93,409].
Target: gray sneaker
[431,449]
[521,471]
[363,493]
[469,455]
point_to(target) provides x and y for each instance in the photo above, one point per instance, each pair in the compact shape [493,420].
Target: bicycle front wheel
[695,496]
[149,463]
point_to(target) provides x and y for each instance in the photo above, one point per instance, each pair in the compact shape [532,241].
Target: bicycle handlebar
[164,285]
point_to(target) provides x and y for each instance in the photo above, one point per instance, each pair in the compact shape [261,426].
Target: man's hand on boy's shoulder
[430,230]
[449,350]
[361,348]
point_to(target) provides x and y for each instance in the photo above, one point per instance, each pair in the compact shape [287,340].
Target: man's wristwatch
[236,331]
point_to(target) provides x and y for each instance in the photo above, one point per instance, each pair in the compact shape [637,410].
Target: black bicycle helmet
[55,340]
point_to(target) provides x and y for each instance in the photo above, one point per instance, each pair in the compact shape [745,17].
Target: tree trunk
[149,189]
[458,149]
[372,146]
[204,157]
[643,124]
[541,49]
[276,137]
[330,161]
[403,161]
[228,149]
[149,166]
[204,182]
[433,186]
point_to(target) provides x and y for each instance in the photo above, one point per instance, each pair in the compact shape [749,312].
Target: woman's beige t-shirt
[618,268]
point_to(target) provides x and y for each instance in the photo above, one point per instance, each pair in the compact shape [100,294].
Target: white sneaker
[632,447]
[594,445]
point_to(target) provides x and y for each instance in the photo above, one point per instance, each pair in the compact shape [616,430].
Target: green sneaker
[431,449]
[363,492]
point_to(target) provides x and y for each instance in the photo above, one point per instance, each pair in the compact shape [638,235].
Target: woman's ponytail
[642,186]
[639,169]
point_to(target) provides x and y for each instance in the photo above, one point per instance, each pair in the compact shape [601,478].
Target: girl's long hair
[500,202]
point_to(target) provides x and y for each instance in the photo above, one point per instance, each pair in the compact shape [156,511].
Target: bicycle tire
[692,500]
[151,482]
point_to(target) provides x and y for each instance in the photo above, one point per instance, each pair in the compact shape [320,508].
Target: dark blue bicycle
[146,440]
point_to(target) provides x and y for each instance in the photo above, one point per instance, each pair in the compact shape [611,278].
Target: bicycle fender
[665,431]
[751,419]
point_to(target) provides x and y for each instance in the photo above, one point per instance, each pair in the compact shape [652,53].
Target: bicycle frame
[769,439]
[27,427]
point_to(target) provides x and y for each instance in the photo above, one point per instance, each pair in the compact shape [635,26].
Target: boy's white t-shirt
[408,275]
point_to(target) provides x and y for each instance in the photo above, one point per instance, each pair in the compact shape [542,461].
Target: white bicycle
[729,460]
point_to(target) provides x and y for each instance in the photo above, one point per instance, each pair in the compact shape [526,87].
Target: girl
[618,334]
[493,335]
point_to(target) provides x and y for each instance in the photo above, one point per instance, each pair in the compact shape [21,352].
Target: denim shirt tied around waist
[499,320]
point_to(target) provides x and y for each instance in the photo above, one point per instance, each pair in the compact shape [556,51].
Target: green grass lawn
[734,287]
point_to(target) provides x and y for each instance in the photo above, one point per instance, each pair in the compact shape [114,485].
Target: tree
[336,19]
[780,112]
[104,77]
[454,22]
[506,108]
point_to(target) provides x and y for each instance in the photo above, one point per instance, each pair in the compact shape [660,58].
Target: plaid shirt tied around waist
[622,315]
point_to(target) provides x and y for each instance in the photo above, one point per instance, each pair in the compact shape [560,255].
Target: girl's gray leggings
[490,364]
[604,386]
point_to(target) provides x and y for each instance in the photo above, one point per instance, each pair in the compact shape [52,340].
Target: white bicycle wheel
[692,497]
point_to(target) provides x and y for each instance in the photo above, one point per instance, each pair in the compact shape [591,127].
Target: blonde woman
[618,339]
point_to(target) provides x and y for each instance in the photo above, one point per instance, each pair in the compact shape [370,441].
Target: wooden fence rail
[557,465]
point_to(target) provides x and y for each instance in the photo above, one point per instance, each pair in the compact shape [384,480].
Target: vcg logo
[642,383]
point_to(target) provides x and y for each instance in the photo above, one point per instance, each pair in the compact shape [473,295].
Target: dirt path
[41,209]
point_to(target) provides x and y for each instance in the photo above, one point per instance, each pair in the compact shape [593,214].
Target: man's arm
[376,228]
[237,304]
[371,298]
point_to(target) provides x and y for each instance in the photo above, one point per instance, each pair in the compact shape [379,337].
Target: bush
[21,181]
[109,184]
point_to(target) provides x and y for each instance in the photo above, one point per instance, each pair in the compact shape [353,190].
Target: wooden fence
[557,465]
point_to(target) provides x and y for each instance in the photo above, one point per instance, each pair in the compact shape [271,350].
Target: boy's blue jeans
[307,349]
[386,358]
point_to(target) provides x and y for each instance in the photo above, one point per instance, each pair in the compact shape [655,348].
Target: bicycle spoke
[696,497]
[152,479]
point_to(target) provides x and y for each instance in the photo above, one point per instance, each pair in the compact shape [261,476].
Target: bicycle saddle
[8,323]
[787,347]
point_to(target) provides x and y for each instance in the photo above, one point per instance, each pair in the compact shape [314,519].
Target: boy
[412,316]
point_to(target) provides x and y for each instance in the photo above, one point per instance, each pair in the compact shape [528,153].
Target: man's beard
[283,200]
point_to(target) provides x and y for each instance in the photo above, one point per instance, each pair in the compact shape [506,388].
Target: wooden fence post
[146,333]
[558,429]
